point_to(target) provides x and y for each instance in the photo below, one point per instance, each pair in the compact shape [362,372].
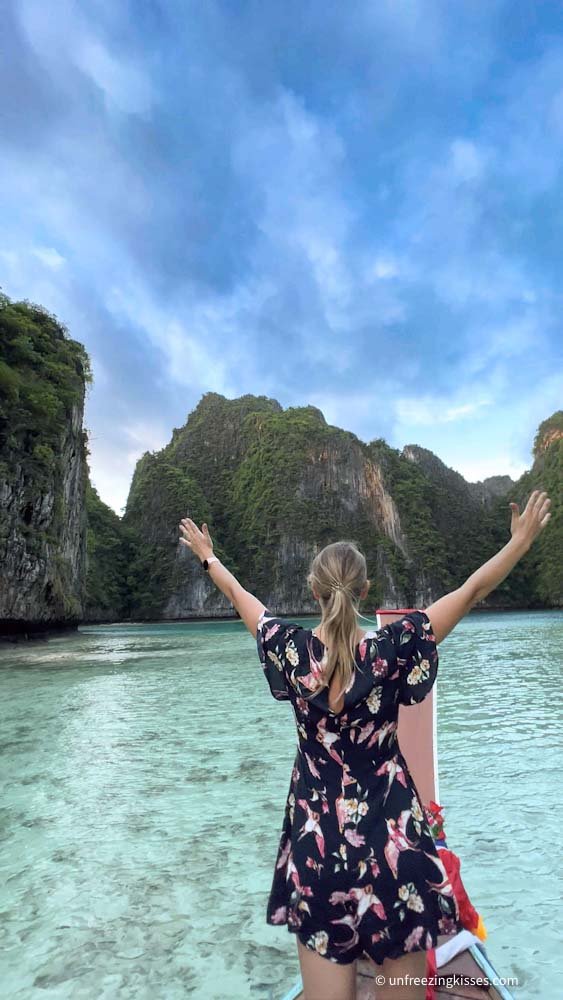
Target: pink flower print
[366,731]
[380,936]
[327,740]
[379,666]
[375,869]
[284,853]
[366,899]
[311,825]
[354,838]
[279,916]
[444,888]
[314,677]
[293,874]
[397,840]
[337,897]
[349,921]
[312,767]
[393,770]
[271,631]
[381,734]
[315,865]
[408,626]
[414,938]
[341,812]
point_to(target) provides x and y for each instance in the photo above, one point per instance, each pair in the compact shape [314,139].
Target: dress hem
[392,953]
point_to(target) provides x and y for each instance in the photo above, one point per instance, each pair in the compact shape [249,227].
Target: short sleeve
[417,656]
[271,636]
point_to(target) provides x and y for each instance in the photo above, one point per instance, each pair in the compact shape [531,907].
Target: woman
[357,872]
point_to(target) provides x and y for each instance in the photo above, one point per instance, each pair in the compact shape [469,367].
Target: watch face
[205,564]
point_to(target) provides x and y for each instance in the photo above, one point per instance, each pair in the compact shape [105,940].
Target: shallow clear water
[143,774]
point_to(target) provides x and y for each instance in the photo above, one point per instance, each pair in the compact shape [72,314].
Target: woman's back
[353,820]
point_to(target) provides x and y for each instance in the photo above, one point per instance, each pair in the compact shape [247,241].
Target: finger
[531,501]
[544,507]
[515,514]
[544,520]
[541,495]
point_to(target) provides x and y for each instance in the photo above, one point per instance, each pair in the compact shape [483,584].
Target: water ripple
[144,773]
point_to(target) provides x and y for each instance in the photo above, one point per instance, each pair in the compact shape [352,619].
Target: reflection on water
[144,771]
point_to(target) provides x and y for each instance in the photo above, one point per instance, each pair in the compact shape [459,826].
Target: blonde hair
[338,574]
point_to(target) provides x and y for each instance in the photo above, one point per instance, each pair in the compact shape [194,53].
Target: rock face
[273,485]
[41,584]
[483,492]
[43,473]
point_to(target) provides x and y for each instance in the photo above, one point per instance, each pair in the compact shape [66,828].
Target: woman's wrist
[206,555]
[519,545]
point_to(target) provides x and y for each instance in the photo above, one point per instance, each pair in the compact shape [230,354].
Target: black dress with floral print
[357,869]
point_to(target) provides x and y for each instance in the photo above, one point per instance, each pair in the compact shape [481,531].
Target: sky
[357,207]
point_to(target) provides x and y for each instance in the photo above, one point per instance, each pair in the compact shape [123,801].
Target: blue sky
[356,206]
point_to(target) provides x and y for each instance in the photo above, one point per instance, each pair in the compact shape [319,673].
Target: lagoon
[143,774]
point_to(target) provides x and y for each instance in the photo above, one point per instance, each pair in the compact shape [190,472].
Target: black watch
[205,564]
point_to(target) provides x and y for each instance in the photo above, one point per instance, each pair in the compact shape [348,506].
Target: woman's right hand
[526,526]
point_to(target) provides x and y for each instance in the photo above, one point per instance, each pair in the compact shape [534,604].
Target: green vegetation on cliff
[273,486]
[160,495]
[264,478]
[43,467]
[537,580]
[42,377]
[110,549]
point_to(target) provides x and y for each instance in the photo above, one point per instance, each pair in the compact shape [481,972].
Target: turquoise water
[143,774]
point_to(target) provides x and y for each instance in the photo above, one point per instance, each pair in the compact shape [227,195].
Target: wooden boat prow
[462,955]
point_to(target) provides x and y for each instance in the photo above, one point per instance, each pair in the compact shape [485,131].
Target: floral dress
[356,869]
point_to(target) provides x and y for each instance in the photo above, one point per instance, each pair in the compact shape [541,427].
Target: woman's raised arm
[446,612]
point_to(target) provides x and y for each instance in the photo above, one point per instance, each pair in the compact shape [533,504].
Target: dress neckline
[361,683]
[369,634]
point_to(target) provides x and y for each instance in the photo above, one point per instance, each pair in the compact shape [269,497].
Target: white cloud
[188,336]
[114,454]
[144,436]
[475,470]
[431,410]
[123,83]
[495,346]
[385,267]
[68,42]
[10,259]
[467,160]
[50,257]
[347,410]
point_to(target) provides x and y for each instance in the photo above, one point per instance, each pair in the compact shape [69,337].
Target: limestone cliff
[43,471]
[273,485]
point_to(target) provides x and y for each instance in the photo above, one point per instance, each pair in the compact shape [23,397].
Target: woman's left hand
[198,541]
